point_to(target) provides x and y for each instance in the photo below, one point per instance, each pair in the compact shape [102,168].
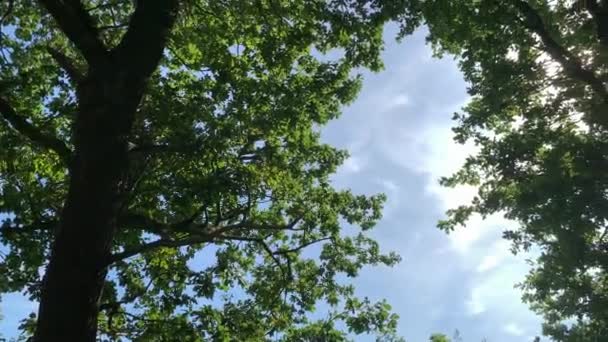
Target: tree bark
[107,98]
[75,275]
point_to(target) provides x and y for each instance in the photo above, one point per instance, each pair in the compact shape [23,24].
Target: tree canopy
[162,175]
[537,73]
[161,160]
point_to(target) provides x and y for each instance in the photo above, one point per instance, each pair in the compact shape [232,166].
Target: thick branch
[142,222]
[67,65]
[157,244]
[142,45]
[571,65]
[7,229]
[21,125]
[76,24]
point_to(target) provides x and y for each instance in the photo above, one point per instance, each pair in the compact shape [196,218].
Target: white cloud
[488,263]
[388,185]
[399,101]
[432,151]
[444,158]
[462,238]
[392,191]
[500,251]
[514,329]
[352,165]
[494,292]
[476,304]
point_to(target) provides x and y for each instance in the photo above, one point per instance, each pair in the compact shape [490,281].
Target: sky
[399,136]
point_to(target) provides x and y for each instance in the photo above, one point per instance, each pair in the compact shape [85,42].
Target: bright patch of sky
[399,136]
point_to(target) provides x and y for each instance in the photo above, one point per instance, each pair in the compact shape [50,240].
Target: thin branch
[603,236]
[104,5]
[67,65]
[111,8]
[178,57]
[2,49]
[129,191]
[571,65]
[163,148]
[249,158]
[302,246]
[77,24]
[197,233]
[8,12]
[294,222]
[142,222]
[147,320]
[112,27]
[272,254]
[114,306]
[21,125]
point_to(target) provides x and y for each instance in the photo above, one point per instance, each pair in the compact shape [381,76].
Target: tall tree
[538,73]
[161,166]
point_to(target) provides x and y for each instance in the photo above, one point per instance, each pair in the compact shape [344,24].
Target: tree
[141,137]
[537,73]
[439,338]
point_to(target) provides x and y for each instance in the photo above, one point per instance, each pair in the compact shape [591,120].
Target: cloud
[352,165]
[393,192]
[399,132]
[494,292]
[514,329]
[399,100]
[488,263]
[476,304]
[388,185]
[500,251]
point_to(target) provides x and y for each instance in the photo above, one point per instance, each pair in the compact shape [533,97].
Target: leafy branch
[74,74]
[27,129]
[197,234]
[571,65]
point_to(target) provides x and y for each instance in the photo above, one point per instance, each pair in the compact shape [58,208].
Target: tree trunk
[77,269]
[107,98]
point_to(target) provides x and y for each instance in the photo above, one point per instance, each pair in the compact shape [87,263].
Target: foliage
[230,228]
[439,338]
[537,74]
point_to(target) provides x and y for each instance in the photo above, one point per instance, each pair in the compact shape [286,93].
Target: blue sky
[398,134]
